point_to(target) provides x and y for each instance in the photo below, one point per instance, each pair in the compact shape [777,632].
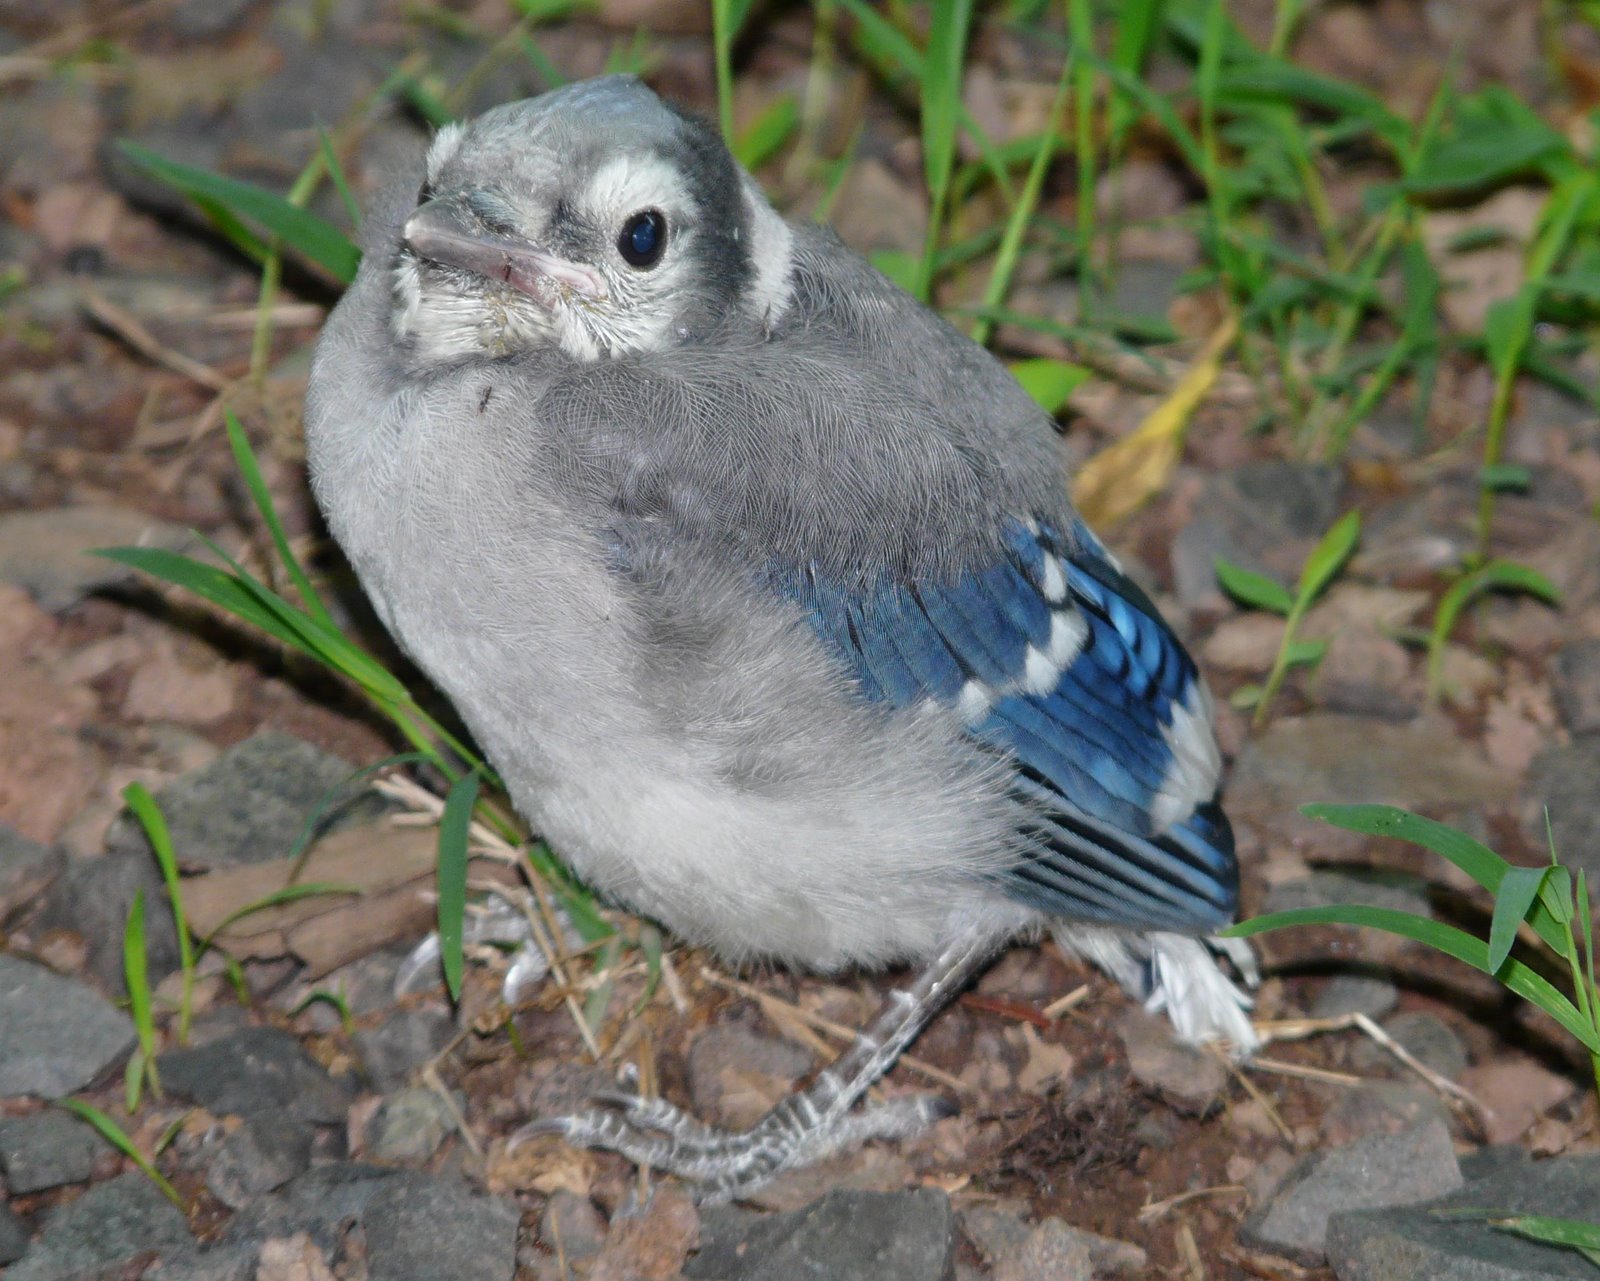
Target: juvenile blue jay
[760,586]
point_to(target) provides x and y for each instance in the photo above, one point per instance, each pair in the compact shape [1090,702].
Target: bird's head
[595,219]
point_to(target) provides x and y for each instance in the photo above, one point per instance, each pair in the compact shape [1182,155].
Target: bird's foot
[724,1165]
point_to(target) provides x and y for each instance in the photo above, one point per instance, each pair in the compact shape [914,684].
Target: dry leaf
[1124,476]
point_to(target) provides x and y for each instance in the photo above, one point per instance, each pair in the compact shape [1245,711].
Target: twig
[1299,1029]
[836,1030]
[1153,1210]
[1071,1001]
[1254,1092]
[430,1077]
[126,326]
[1283,1068]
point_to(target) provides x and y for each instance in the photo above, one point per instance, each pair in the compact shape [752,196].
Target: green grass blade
[277,898]
[245,459]
[1474,858]
[454,825]
[768,132]
[136,974]
[145,809]
[309,235]
[341,183]
[1050,382]
[1329,555]
[1572,1233]
[1519,888]
[942,70]
[1448,939]
[1253,589]
[118,1138]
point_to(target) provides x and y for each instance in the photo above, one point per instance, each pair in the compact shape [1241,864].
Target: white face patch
[771,249]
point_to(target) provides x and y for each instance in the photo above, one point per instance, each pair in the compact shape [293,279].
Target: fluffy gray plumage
[562,480]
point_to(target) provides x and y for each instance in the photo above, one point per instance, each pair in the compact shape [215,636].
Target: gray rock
[14,1235]
[1427,1037]
[846,1236]
[92,897]
[1562,781]
[408,1126]
[570,1225]
[322,1203]
[1331,887]
[1188,1078]
[1379,1170]
[46,553]
[47,1149]
[106,1226]
[250,804]
[999,1232]
[56,1035]
[1414,1243]
[399,1045]
[1262,516]
[726,1064]
[1052,1252]
[1333,757]
[26,869]
[1370,994]
[223,1263]
[256,1072]
[207,19]
[427,1228]
[1381,1107]
[1577,684]
[264,1153]
[994,1230]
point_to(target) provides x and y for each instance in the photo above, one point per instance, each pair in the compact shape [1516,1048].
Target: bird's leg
[808,1125]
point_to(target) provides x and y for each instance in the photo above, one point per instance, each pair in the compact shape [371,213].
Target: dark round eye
[643,238]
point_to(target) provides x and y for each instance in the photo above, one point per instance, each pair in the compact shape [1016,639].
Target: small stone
[1262,516]
[845,1236]
[1244,643]
[426,1228]
[1367,673]
[165,688]
[1332,887]
[994,1229]
[408,1126]
[259,1156]
[1562,782]
[1369,994]
[1330,756]
[14,1235]
[737,1075]
[571,1225]
[1577,684]
[401,1044]
[1516,1091]
[1427,1037]
[26,869]
[1188,1078]
[1379,1170]
[1418,1243]
[48,552]
[1381,1107]
[1052,1252]
[251,804]
[255,1072]
[92,897]
[651,1242]
[107,1226]
[56,1035]
[47,1149]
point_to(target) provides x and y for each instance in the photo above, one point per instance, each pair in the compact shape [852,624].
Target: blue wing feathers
[1091,753]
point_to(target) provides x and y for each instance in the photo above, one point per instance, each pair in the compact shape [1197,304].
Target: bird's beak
[442,231]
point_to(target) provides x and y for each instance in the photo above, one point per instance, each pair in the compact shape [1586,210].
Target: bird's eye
[643,238]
